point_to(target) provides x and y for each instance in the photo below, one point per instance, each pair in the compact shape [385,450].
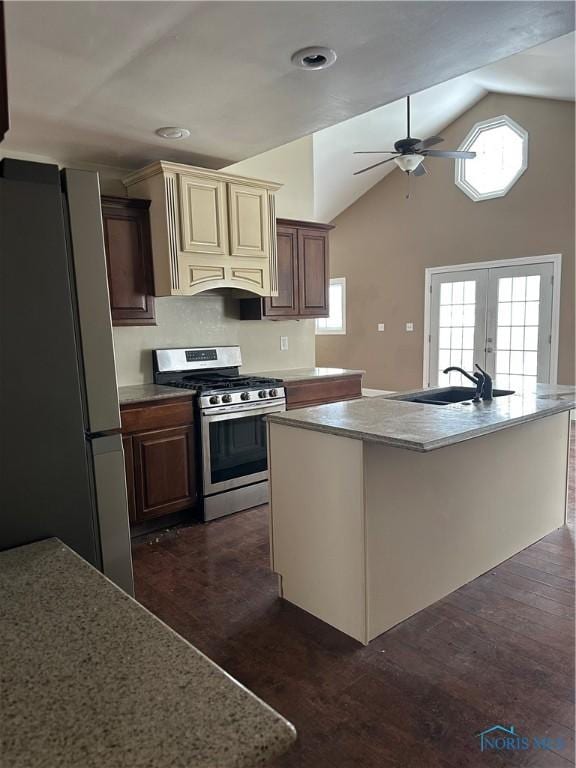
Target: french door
[498,317]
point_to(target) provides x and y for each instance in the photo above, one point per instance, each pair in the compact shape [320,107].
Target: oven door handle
[221,414]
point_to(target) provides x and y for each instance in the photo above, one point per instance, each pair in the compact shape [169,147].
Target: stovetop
[214,382]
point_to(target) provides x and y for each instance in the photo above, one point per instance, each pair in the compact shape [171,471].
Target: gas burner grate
[221,383]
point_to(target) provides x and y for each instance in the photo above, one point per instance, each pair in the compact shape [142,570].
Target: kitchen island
[90,678]
[380,507]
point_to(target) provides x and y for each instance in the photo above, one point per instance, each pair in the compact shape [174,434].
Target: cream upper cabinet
[249,220]
[203,219]
[209,229]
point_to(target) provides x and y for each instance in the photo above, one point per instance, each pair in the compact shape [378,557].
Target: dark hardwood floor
[499,650]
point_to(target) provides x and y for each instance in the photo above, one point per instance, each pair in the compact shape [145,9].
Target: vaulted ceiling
[546,71]
[91,81]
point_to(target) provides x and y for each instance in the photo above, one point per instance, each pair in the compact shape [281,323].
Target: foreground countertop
[304,374]
[419,427]
[91,679]
[140,393]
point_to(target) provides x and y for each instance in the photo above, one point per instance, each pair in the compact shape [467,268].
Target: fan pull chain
[408,174]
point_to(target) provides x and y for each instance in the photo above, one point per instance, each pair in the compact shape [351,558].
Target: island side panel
[317,524]
[437,520]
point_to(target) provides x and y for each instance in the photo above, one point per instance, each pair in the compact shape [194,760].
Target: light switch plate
[409,326]
[284,343]
[380,326]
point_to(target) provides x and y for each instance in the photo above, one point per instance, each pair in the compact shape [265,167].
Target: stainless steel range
[232,428]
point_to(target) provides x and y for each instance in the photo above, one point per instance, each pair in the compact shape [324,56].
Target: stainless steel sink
[447,395]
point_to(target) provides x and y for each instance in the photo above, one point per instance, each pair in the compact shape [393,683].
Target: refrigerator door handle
[104,433]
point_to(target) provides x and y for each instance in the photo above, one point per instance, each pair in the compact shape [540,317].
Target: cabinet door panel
[164,471]
[249,221]
[313,271]
[203,215]
[129,261]
[286,303]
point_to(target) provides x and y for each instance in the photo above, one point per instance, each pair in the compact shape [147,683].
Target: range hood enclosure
[210,230]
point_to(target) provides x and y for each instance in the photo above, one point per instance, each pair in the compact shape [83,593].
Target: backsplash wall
[211,319]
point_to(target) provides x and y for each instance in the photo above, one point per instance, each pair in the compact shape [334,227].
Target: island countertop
[424,427]
[92,679]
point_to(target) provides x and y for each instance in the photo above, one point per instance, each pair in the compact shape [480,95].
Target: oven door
[234,450]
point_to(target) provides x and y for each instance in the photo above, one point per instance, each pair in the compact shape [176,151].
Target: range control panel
[193,355]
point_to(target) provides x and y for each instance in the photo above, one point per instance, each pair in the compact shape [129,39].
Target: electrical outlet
[380,326]
[409,326]
[284,343]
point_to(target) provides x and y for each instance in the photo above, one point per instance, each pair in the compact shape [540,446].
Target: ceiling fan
[409,153]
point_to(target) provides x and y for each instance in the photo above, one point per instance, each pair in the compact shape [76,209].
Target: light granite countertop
[303,374]
[91,679]
[419,427]
[140,393]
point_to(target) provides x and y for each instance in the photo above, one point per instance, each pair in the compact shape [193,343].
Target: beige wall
[211,319]
[292,165]
[383,242]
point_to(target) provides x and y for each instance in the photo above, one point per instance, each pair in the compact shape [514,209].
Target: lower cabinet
[160,459]
[324,389]
[164,480]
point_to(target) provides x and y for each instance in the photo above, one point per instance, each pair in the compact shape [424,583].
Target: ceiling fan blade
[356,173]
[378,152]
[420,170]
[429,142]
[457,154]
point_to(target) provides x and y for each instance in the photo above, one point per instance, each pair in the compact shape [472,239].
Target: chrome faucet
[481,379]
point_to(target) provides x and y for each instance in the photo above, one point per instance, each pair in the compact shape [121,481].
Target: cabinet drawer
[142,417]
[300,394]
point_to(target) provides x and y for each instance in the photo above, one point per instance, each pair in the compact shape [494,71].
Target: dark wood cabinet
[4,120]
[313,272]
[303,274]
[129,260]
[160,457]
[323,389]
[164,476]
[286,303]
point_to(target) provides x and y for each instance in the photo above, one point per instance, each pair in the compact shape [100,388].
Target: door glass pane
[237,448]
[517,332]
[456,332]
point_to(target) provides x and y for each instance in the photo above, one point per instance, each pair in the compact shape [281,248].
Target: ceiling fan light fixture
[408,163]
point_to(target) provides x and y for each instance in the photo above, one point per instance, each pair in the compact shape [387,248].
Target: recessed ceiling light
[315,57]
[173,132]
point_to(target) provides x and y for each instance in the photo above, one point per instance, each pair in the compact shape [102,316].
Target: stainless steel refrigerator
[61,459]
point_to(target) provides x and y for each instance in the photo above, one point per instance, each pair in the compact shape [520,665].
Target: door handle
[489,349]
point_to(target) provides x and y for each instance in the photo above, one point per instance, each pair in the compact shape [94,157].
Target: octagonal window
[501,147]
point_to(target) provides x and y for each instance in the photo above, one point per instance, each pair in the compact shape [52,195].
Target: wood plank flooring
[499,650]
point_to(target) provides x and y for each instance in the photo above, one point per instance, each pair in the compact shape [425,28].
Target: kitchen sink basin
[447,395]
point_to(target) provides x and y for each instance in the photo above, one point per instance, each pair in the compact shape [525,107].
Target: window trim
[477,129]
[335,331]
